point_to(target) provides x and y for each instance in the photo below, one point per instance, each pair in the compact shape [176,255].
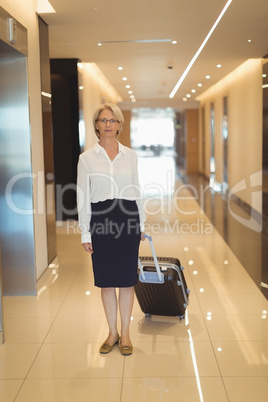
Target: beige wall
[24,12]
[97,90]
[243,87]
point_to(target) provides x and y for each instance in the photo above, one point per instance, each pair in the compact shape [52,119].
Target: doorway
[153,138]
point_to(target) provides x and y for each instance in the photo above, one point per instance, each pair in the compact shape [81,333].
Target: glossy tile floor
[218,353]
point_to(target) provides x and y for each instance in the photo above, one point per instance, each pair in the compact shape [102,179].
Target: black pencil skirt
[115,233]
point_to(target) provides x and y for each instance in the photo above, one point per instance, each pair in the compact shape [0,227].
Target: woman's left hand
[142,236]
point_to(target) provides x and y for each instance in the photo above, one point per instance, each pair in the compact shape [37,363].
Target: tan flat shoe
[106,347]
[126,350]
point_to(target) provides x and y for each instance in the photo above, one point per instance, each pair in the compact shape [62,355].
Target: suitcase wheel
[182,317]
[147,315]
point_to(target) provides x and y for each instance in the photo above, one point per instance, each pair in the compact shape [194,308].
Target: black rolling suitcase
[161,287]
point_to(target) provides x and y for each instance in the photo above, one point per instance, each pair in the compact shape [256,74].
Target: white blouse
[100,179]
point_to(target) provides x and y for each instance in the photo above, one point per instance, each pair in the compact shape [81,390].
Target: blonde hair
[118,115]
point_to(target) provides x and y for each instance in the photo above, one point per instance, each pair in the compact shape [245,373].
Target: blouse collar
[98,148]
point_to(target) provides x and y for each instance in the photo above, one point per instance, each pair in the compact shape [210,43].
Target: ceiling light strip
[136,41]
[173,92]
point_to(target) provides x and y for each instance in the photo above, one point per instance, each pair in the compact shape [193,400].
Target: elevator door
[16,198]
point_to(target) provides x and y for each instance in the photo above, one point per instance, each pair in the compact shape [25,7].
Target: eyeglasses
[111,121]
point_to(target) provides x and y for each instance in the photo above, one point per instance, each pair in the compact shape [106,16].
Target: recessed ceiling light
[99,44]
[127,86]
[124,78]
[207,77]
[174,42]
[193,91]
[218,65]
[249,40]
[46,94]
[264,75]
[184,99]
[120,68]
[199,85]
[133,100]
[188,96]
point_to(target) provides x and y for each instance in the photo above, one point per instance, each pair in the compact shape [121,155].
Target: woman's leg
[109,300]
[126,299]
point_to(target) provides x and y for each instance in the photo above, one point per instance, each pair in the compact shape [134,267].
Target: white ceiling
[79,25]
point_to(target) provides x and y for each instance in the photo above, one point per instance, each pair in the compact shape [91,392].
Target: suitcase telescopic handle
[157,267]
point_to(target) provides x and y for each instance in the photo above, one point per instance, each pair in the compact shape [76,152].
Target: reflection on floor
[249,244]
[218,353]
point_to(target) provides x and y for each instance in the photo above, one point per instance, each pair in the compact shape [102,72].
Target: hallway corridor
[219,353]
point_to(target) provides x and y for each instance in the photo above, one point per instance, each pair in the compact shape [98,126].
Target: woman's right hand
[88,247]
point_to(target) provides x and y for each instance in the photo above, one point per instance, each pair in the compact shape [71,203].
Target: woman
[111,221]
